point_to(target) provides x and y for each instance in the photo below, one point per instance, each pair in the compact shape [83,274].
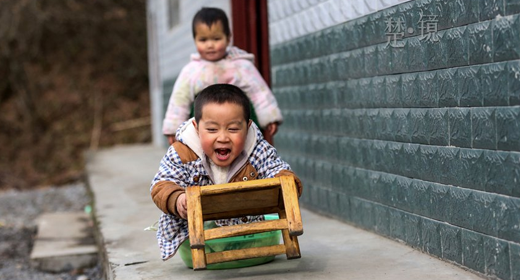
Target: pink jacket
[236,68]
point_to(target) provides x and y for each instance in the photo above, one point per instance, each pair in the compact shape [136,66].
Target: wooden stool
[232,200]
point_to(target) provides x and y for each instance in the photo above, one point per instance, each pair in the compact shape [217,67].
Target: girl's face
[211,41]
[222,131]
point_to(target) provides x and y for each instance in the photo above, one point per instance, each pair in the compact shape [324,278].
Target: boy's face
[222,131]
[211,41]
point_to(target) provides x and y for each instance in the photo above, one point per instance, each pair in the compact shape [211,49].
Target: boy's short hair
[210,16]
[220,94]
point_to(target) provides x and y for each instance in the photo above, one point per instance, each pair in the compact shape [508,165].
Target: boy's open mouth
[222,154]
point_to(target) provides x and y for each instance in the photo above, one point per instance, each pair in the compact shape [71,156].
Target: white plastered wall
[290,19]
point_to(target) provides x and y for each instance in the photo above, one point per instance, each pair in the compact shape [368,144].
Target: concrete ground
[65,241]
[120,179]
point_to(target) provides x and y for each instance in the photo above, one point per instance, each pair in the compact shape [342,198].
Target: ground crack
[134,263]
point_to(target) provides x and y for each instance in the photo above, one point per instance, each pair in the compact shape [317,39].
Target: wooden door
[251,32]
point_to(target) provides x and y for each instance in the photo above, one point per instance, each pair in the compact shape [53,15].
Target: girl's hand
[272,128]
[270,131]
[171,139]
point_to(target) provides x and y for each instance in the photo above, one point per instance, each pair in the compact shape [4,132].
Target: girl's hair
[222,93]
[210,16]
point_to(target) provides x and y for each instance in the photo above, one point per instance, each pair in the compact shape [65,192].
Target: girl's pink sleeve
[263,100]
[181,99]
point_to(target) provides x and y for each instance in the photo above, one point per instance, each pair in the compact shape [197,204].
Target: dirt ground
[74,76]
[18,213]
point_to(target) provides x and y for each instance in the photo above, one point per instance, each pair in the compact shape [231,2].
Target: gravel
[18,213]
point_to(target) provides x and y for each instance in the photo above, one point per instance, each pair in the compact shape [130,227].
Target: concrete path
[120,180]
[65,241]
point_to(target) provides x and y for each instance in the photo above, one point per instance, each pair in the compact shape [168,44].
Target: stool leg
[292,208]
[196,227]
[198,257]
[292,247]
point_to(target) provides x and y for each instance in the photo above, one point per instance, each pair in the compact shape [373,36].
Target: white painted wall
[154,73]
[170,50]
[290,19]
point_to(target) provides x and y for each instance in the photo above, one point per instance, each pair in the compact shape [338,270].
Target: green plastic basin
[235,243]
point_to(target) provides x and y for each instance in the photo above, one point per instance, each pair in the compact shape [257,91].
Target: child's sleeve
[168,183]
[182,97]
[297,181]
[271,165]
[263,100]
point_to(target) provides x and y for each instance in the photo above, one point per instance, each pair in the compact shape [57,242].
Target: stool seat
[234,200]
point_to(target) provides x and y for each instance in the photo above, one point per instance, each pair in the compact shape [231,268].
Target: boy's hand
[171,139]
[181,206]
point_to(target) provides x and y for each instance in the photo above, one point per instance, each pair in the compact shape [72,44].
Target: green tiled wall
[419,143]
